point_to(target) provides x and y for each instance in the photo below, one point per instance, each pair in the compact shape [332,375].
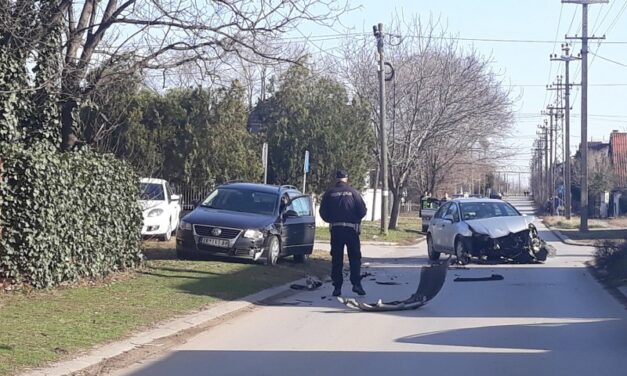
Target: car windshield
[151,192]
[242,201]
[479,210]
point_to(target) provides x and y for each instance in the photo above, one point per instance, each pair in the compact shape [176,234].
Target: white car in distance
[161,208]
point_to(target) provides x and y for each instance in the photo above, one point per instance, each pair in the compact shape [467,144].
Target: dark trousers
[340,237]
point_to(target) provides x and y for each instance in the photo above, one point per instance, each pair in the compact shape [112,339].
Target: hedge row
[66,216]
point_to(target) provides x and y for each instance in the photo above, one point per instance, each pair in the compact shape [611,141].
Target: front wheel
[272,251]
[167,236]
[433,255]
[462,254]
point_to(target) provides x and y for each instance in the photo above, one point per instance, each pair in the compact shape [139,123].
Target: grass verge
[407,231]
[611,262]
[573,223]
[37,327]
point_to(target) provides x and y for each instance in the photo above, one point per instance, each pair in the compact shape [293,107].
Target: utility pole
[566,57]
[583,226]
[378,33]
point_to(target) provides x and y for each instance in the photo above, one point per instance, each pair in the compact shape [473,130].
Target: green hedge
[66,216]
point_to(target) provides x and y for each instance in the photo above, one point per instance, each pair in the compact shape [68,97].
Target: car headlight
[185,225]
[155,212]
[253,234]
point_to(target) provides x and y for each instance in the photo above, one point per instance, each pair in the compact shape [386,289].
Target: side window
[452,210]
[442,210]
[302,206]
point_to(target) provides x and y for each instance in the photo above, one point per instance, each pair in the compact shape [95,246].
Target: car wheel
[463,257]
[433,255]
[301,259]
[425,228]
[167,236]
[272,251]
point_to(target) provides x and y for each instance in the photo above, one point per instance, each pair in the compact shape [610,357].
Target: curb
[565,239]
[169,328]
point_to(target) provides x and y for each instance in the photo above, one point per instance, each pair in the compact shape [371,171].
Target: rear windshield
[478,210]
[242,201]
[151,192]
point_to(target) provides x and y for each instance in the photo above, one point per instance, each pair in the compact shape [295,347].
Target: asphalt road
[549,319]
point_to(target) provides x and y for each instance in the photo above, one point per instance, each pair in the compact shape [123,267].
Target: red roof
[618,150]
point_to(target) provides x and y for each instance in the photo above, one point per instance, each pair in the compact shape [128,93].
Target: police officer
[343,208]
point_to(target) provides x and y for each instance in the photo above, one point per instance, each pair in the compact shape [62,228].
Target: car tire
[167,236]
[301,258]
[425,228]
[461,253]
[433,255]
[273,250]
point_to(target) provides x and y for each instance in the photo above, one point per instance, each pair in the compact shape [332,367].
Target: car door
[448,230]
[299,228]
[436,226]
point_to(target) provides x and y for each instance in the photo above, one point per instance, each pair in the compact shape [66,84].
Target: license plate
[214,242]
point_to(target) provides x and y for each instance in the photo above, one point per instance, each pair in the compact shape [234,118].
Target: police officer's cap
[341,174]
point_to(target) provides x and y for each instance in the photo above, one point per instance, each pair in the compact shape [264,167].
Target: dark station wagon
[252,221]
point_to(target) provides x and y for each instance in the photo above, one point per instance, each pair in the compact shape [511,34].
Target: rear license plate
[214,242]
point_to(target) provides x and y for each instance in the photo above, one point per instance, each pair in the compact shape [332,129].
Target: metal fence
[191,195]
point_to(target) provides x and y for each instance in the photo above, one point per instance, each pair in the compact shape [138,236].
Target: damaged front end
[522,247]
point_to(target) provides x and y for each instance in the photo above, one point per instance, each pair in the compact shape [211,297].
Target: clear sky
[526,65]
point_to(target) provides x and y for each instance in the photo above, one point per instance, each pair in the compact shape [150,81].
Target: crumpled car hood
[498,227]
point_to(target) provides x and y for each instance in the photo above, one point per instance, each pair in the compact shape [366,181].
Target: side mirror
[290,213]
[448,217]
[175,197]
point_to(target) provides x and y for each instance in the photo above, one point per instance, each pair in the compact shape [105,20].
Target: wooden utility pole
[378,33]
[583,226]
[566,57]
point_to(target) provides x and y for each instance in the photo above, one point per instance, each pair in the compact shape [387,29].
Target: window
[242,201]
[302,205]
[151,192]
[478,210]
[452,211]
[442,210]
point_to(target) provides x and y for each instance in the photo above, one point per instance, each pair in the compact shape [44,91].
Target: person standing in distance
[343,208]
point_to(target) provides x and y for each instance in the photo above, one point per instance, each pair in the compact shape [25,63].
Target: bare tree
[442,103]
[144,35]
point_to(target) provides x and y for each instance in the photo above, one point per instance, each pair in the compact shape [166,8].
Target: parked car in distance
[161,208]
[428,207]
[486,229]
[251,221]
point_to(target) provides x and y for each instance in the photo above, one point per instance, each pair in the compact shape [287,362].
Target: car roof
[476,199]
[152,181]
[267,188]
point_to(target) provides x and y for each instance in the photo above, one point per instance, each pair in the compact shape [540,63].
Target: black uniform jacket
[342,203]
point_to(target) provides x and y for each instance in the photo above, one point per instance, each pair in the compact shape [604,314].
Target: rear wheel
[433,255]
[272,251]
[461,252]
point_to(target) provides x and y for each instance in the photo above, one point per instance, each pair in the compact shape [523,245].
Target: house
[618,157]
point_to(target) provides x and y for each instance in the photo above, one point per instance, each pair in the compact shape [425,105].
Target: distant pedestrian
[343,208]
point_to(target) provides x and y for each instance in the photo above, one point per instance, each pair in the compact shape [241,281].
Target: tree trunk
[396,208]
[68,138]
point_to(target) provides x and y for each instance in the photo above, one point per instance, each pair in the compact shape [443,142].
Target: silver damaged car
[486,229]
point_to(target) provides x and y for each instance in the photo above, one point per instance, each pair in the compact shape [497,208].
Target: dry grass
[573,223]
[618,222]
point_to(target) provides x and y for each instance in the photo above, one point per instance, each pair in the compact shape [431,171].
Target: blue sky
[526,63]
